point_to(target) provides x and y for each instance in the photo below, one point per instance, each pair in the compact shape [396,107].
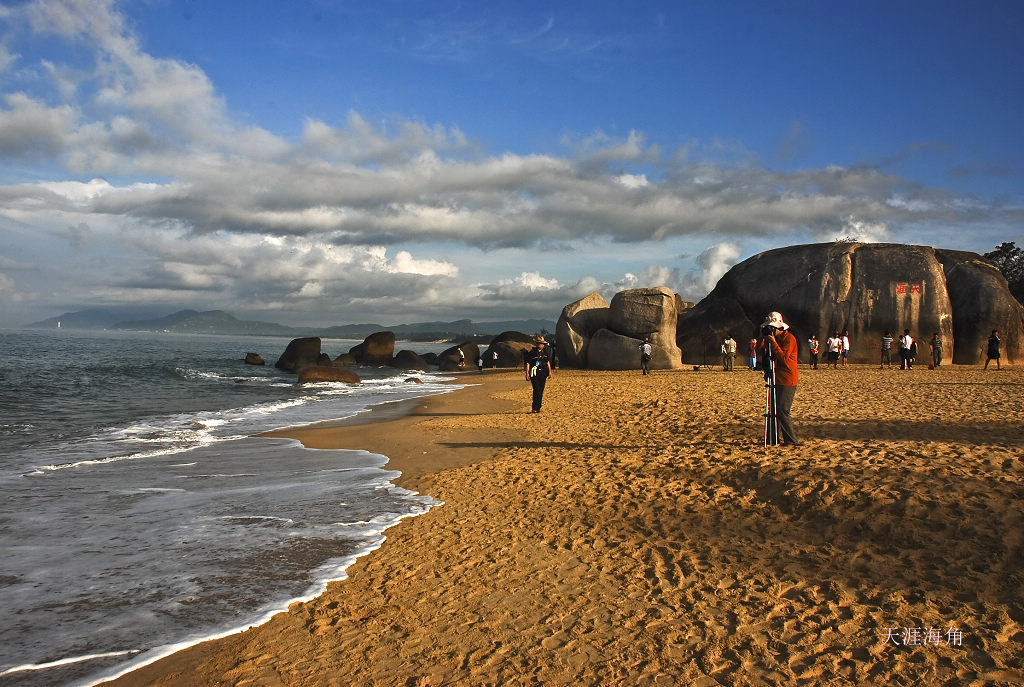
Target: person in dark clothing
[537,366]
[936,346]
[993,349]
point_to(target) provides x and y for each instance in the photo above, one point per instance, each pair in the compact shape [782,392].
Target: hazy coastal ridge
[223,323]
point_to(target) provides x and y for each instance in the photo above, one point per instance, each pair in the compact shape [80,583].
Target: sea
[140,514]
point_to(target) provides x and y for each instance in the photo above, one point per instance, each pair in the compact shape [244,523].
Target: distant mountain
[93,318]
[220,322]
[209,322]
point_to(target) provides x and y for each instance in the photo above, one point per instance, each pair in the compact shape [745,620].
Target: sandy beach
[636,532]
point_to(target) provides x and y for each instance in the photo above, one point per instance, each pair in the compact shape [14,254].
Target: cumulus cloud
[709,266]
[362,213]
[401,181]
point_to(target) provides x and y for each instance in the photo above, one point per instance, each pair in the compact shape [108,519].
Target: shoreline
[635,532]
[388,428]
[360,432]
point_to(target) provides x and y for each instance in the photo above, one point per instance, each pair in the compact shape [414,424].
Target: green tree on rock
[1010,261]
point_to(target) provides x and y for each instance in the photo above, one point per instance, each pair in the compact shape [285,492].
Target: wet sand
[636,532]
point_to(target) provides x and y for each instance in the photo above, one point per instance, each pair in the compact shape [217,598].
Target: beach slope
[637,532]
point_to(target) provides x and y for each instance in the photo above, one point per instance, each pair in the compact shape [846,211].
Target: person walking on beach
[777,341]
[993,350]
[886,350]
[645,356]
[936,345]
[752,355]
[537,365]
[906,351]
[814,345]
[846,348]
[728,352]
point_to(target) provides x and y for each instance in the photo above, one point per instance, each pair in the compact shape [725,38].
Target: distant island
[220,322]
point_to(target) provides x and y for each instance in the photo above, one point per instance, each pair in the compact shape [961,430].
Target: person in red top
[781,344]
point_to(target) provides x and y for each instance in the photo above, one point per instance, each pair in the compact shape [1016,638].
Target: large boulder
[300,353]
[377,349]
[981,301]
[611,351]
[510,347]
[459,358]
[864,289]
[632,316]
[327,373]
[578,322]
[346,360]
[409,360]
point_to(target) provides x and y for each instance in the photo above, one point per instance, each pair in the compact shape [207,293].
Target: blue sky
[325,162]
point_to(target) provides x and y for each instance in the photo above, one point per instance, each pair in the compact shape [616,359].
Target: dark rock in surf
[327,373]
[300,353]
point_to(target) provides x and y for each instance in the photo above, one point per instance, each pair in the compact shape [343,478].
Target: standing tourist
[936,345]
[778,342]
[728,352]
[846,348]
[993,349]
[886,350]
[814,345]
[834,345]
[537,365]
[645,356]
[906,351]
[752,355]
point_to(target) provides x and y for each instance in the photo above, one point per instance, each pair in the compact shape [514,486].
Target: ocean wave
[170,450]
[66,661]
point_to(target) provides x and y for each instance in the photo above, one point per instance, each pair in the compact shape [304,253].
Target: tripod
[771,417]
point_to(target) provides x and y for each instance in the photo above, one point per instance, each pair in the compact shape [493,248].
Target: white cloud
[632,181]
[715,261]
[367,214]
[404,263]
[531,281]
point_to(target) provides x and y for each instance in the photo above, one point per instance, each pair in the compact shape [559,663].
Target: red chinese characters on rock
[914,289]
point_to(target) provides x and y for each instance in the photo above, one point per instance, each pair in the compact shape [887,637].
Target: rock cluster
[510,347]
[594,334]
[864,289]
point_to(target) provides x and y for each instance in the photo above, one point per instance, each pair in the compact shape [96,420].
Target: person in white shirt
[834,345]
[906,352]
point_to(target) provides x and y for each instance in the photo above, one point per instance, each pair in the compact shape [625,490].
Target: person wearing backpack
[537,365]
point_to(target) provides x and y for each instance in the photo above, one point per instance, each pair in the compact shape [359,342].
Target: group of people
[779,345]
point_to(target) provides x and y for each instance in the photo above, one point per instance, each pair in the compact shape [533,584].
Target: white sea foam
[332,571]
[65,662]
[116,523]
